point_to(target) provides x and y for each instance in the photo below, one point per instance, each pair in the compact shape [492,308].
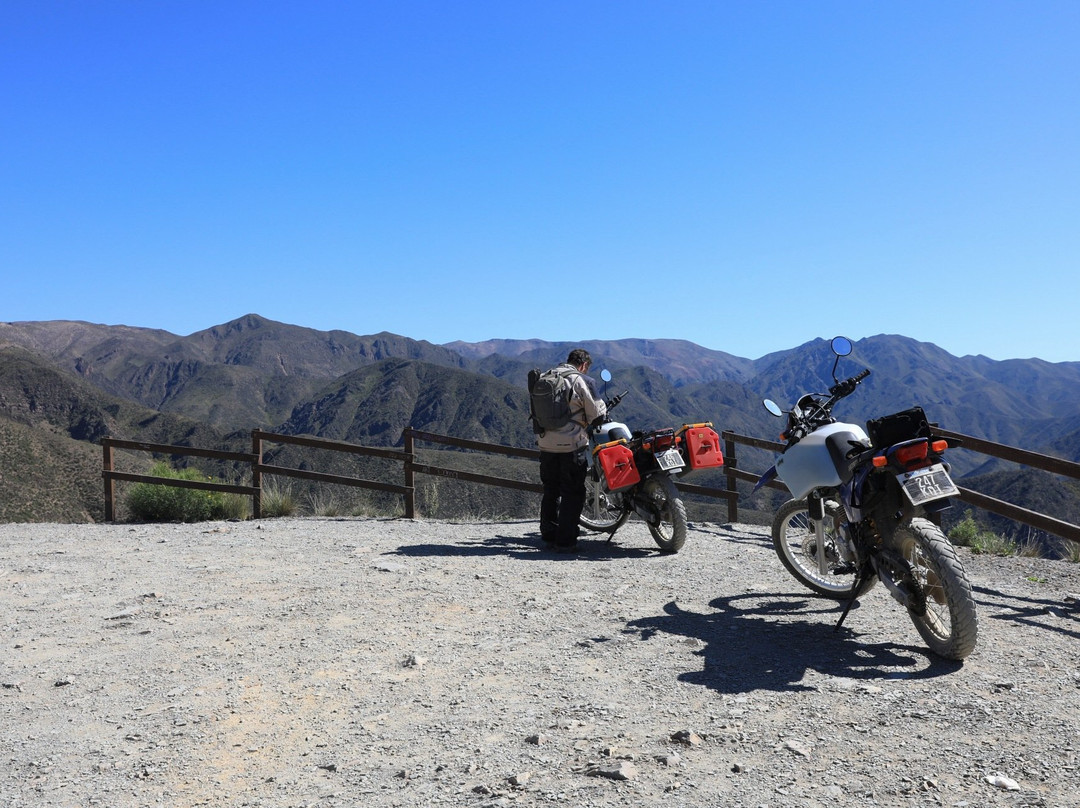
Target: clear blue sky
[744,175]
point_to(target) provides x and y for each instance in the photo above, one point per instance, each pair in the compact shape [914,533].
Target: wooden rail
[111,476]
[259,437]
[1039,521]
[407,457]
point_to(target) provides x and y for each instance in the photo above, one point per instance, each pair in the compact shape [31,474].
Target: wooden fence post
[731,462]
[256,475]
[410,496]
[110,483]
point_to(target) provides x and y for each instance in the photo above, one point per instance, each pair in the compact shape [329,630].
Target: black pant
[563,477]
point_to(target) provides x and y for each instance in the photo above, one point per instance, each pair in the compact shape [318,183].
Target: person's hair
[578,357]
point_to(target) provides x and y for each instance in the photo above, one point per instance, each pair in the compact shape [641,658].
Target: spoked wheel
[944,609]
[601,513]
[670,532]
[795,543]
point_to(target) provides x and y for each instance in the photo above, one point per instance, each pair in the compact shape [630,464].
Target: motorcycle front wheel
[669,532]
[601,513]
[944,612]
[795,543]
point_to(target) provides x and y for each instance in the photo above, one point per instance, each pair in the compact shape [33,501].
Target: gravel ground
[365,662]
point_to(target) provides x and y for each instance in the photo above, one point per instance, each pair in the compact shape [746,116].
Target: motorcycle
[633,472]
[864,509]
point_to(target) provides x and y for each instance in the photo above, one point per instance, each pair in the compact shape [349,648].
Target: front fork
[815,505]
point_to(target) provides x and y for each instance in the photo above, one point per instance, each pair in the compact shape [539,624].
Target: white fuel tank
[610,431]
[811,463]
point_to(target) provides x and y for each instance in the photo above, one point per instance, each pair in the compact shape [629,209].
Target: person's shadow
[592,547]
[765,642]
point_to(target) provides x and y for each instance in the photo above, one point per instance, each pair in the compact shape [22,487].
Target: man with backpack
[563,404]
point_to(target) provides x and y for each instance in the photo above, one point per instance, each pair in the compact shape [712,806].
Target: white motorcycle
[863,510]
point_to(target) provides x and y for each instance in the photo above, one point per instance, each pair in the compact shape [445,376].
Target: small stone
[123,615]
[616,770]
[414,661]
[520,779]
[674,759]
[1002,782]
[687,737]
[798,747]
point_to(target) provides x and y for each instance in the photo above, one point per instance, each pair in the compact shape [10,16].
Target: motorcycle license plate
[928,484]
[670,460]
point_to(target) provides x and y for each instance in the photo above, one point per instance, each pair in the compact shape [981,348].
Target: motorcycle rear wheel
[796,545]
[601,513]
[948,622]
[670,532]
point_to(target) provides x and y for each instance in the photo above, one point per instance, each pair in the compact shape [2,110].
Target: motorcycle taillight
[912,455]
[660,441]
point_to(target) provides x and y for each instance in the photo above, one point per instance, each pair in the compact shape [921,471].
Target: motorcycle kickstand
[860,576]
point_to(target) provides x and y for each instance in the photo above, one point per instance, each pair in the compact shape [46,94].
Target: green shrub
[148,502]
[968,533]
[965,532]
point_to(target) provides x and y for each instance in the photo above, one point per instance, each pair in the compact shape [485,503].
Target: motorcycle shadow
[764,642]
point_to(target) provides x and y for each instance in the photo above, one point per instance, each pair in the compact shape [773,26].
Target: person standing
[564,457]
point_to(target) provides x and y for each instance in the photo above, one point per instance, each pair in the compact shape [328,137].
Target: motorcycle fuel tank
[817,460]
[611,431]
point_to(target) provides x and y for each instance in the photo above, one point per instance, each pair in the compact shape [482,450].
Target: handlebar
[613,402]
[610,404]
[847,387]
[801,422]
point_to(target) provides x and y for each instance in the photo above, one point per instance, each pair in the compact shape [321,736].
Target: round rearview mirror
[773,407]
[841,346]
[605,374]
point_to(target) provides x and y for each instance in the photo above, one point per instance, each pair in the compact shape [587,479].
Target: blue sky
[745,175]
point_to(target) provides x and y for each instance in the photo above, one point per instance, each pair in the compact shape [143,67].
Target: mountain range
[64,385]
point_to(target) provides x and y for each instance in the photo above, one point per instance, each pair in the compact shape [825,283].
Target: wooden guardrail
[410,466]
[1039,521]
[111,476]
[258,468]
[406,456]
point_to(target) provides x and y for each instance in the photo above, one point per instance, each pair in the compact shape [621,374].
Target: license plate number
[669,460]
[928,484]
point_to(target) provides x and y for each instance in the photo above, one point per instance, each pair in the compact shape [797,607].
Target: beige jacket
[584,409]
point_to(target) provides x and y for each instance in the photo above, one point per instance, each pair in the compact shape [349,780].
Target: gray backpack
[549,398]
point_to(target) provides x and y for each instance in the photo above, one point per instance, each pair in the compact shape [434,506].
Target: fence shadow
[1028,611]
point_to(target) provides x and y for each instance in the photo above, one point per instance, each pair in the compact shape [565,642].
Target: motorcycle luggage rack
[898,427]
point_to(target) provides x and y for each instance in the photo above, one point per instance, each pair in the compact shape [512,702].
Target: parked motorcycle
[863,510]
[634,472]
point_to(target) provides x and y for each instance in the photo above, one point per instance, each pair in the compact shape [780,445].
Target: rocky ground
[317,662]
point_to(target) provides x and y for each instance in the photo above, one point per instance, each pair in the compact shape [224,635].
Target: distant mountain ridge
[218,384]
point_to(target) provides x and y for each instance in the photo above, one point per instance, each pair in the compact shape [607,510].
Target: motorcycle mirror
[605,374]
[841,346]
[773,407]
